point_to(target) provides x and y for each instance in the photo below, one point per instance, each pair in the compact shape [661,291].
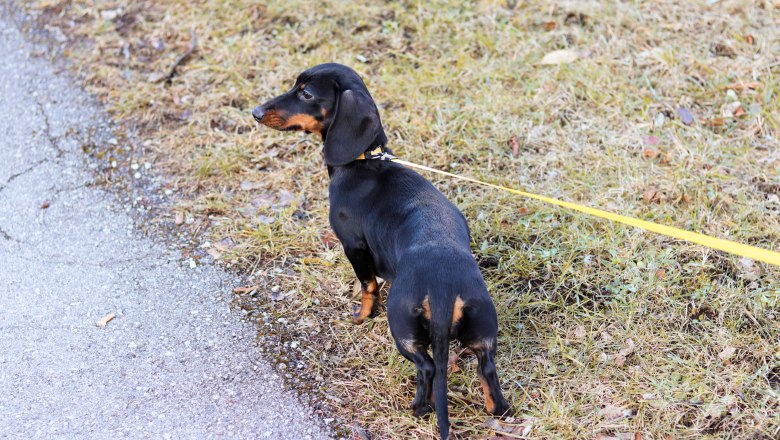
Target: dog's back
[420,242]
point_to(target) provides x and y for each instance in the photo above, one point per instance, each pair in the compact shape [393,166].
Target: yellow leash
[752,252]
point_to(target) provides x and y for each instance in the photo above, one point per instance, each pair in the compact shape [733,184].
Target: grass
[605,331]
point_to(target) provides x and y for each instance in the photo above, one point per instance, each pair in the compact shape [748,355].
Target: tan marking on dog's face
[272,119]
[426,308]
[304,122]
[489,404]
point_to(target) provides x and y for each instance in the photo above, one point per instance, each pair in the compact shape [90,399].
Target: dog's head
[332,100]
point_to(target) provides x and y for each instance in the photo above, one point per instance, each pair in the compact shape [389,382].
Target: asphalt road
[174,363]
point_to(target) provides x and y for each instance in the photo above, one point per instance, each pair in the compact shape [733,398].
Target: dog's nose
[258,113]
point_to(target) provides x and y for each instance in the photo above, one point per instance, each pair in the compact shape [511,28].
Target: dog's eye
[306,95]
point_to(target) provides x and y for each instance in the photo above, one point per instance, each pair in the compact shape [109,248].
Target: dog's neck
[378,152]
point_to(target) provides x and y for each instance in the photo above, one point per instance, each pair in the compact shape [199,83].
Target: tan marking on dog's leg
[457,310]
[367,298]
[426,307]
[489,404]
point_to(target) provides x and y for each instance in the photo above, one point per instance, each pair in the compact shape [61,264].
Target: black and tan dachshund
[396,225]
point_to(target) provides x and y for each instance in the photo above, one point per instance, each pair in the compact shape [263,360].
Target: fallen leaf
[522,428]
[726,354]
[651,195]
[316,261]
[285,198]
[611,412]
[215,254]
[245,289]
[105,320]
[248,185]
[278,295]
[225,244]
[452,363]
[715,122]
[685,115]
[361,433]
[730,109]
[580,332]
[549,25]
[619,436]
[523,211]
[722,50]
[156,77]
[650,153]
[619,359]
[514,145]
[329,239]
[179,218]
[563,56]
[652,140]
[744,85]
[659,120]
[749,39]
[45,204]
[660,274]
[265,219]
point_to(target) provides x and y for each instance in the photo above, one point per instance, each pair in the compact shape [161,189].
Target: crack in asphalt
[102,265]
[21,173]
[54,141]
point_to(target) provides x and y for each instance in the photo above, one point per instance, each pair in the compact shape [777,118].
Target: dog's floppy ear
[355,127]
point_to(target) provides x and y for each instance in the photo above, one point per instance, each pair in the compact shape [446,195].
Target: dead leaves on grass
[509,428]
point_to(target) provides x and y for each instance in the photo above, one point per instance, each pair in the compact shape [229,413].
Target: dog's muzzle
[258,113]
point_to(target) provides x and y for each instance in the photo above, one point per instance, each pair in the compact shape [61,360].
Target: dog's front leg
[363,264]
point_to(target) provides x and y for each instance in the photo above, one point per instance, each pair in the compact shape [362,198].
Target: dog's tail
[441,321]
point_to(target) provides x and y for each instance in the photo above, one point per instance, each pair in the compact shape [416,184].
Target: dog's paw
[420,410]
[357,319]
[502,411]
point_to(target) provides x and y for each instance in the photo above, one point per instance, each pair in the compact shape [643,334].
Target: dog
[395,224]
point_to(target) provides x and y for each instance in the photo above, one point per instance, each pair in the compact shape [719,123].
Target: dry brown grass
[604,330]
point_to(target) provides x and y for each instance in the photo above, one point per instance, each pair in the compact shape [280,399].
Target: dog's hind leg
[486,368]
[422,403]
[412,340]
